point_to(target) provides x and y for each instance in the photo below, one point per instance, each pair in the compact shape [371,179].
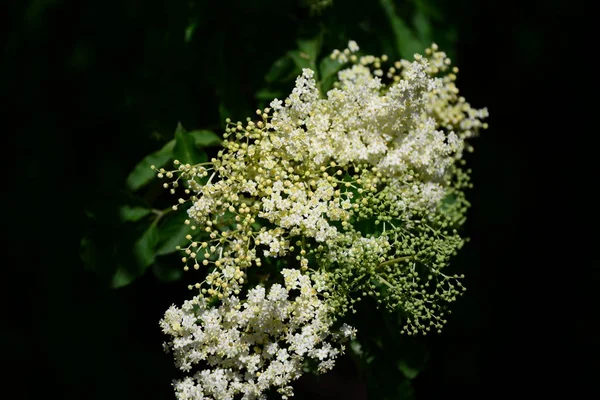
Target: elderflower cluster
[360,188]
[249,346]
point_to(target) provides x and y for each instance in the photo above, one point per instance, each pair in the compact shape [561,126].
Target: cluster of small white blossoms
[251,346]
[362,186]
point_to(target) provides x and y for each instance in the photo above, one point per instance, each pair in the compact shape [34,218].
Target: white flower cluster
[252,345]
[358,122]
[361,183]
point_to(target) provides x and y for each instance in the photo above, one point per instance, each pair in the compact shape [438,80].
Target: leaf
[132,214]
[143,257]
[429,9]
[205,138]
[172,232]
[311,48]
[329,67]
[144,247]
[267,94]
[407,44]
[189,31]
[301,59]
[407,371]
[167,272]
[122,277]
[185,147]
[142,173]
[423,27]
[281,70]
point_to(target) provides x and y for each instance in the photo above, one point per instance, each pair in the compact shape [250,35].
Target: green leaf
[301,59]
[311,48]
[407,43]
[144,247]
[122,277]
[407,371]
[423,27]
[172,232]
[267,94]
[329,67]
[185,147]
[282,69]
[189,31]
[143,257]
[142,173]
[167,272]
[132,214]
[205,138]
[430,9]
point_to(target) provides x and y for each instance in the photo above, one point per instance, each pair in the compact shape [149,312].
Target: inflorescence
[357,192]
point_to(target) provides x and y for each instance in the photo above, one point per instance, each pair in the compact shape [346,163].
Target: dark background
[93,86]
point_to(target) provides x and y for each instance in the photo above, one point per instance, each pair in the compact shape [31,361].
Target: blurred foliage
[148,235]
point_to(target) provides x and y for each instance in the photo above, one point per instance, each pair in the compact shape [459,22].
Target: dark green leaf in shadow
[268,95]
[204,138]
[142,173]
[301,59]
[185,147]
[328,69]
[423,28]
[407,43]
[407,370]
[172,232]
[122,277]
[310,49]
[430,9]
[189,31]
[143,257]
[282,69]
[167,272]
[132,214]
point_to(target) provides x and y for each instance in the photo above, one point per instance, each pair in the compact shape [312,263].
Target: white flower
[267,336]
[380,150]
[348,331]
[352,46]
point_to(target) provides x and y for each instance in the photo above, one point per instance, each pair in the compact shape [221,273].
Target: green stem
[160,214]
[386,282]
[395,260]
